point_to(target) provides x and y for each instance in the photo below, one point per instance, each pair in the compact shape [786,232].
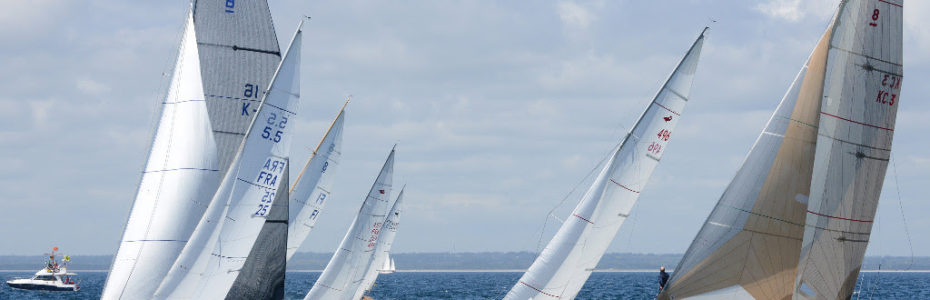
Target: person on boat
[663,278]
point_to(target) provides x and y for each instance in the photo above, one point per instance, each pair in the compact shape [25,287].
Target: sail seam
[237,48]
[840,218]
[892,3]
[284,110]
[761,215]
[857,122]
[228,132]
[586,220]
[798,121]
[183,101]
[538,290]
[666,108]
[623,186]
[866,56]
[233,98]
[254,184]
[180,169]
[851,143]
[678,94]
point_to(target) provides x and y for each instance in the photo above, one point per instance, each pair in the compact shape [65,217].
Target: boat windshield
[46,278]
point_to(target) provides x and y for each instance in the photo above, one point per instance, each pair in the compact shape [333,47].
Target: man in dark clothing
[663,278]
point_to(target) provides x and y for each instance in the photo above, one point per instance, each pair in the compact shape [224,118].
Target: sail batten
[568,260]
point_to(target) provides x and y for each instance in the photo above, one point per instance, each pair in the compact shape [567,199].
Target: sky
[500,110]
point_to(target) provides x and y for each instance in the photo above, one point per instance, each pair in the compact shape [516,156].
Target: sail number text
[230,6]
[890,82]
[268,178]
[273,131]
[374,234]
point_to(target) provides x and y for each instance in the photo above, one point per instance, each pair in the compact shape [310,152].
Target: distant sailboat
[219,246]
[813,176]
[568,260]
[203,118]
[344,273]
[382,263]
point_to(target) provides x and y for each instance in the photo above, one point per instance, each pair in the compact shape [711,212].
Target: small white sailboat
[568,260]
[387,267]
[54,277]
[345,271]
[797,217]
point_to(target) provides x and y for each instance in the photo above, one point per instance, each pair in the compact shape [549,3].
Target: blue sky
[499,109]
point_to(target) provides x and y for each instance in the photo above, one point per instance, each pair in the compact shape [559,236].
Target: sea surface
[494,285]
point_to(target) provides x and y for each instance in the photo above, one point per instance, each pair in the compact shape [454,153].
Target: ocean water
[490,285]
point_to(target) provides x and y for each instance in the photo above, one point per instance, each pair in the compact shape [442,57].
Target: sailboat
[210,262]
[311,189]
[568,260]
[227,53]
[382,258]
[343,275]
[796,219]
[387,267]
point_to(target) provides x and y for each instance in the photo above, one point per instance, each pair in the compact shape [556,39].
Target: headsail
[383,249]
[860,101]
[180,176]
[749,245]
[312,188]
[212,259]
[343,274]
[568,260]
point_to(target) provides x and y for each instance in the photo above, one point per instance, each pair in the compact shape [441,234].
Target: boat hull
[43,287]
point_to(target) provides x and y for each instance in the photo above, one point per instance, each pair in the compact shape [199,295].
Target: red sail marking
[857,122]
[623,186]
[538,290]
[841,218]
[586,220]
[666,108]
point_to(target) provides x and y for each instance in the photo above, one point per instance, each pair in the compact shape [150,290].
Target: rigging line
[542,231]
[907,233]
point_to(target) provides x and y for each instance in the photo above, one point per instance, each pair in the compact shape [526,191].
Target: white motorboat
[54,277]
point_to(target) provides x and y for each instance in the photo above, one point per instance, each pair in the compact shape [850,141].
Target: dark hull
[40,287]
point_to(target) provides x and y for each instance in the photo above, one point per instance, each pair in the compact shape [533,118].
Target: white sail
[393,266]
[861,95]
[179,178]
[565,264]
[210,262]
[750,243]
[312,188]
[342,276]
[382,258]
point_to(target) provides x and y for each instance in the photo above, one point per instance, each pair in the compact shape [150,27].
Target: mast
[210,262]
[568,260]
[340,278]
[860,103]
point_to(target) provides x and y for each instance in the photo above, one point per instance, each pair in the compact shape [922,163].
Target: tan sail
[761,215]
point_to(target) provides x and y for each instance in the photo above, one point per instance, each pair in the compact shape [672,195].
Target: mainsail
[221,69]
[749,245]
[312,187]
[383,249]
[568,260]
[180,176]
[861,95]
[342,276]
[212,259]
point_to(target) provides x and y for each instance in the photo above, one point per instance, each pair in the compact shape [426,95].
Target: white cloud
[575,15]
[91,87]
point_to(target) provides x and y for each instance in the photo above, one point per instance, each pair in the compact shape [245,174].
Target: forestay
[568,260]
[312,188]
[860,101]
[179,178]
[211,260]
[383,249]
[749,245]
[342,276]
